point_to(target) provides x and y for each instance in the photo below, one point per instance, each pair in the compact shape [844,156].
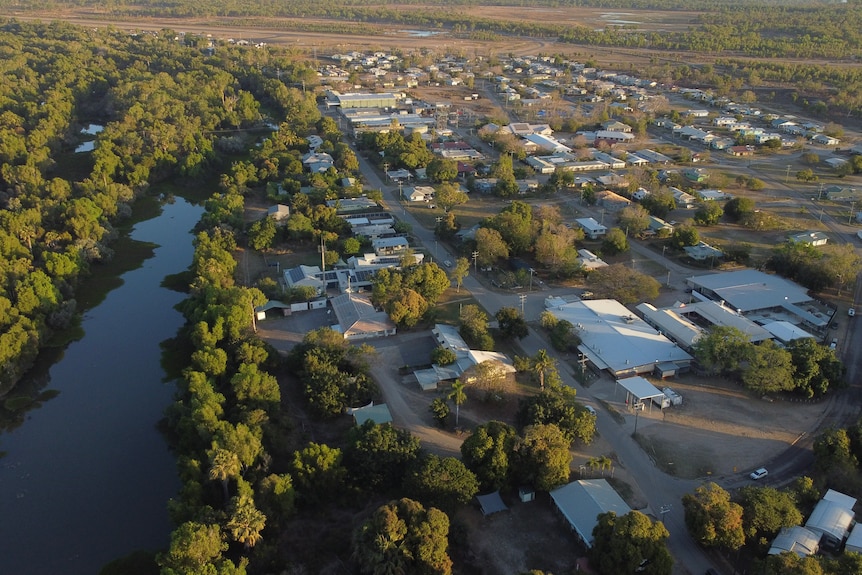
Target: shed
[639,390]
[581,502]
[491,503]
[379,414]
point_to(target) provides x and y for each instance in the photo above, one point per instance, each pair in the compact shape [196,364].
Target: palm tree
[224,464]
[459,396]
[246,521]
[542,362]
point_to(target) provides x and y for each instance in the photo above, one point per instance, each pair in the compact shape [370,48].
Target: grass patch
[625,490]
[618,417]
[677,460]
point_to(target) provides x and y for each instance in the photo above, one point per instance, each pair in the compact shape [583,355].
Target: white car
[447,263]
[591,410]
[759,473]
[851,312]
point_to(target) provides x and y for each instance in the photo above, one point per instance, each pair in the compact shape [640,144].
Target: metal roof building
[752,291]
[581,502]
[615,339]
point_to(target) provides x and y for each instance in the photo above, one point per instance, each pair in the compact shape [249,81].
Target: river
[87,476]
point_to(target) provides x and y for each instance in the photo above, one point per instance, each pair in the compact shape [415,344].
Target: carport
[638,390]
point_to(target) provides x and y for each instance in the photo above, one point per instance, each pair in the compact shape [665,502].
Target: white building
[592,229]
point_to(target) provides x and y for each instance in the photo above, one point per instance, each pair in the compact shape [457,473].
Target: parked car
[851,312]
[834,343]
[447,263]
[759,473]
[591,409]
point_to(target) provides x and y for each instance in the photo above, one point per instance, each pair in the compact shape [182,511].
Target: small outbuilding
[491,503]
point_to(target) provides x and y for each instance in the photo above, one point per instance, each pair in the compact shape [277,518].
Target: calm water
[87,477]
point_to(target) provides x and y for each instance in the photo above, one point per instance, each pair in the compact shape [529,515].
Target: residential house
[279,212]
[592,229]
[810,238]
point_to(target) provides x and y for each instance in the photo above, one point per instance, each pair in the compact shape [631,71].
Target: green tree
[766,510]
[815,367]
[441,170]
[659,203]
[723,348]
[440,410]
[255,388]
[487,452]
[621,545]
[245,522]
[376,455]
[557,406]
[615,242]
[511,324]
[623,284]
[634,219]
[403,537]
[194,548]
[458,396]
[407,308]
[709,213]
[542,364]
[789,563]
[542,457]
[262,233]
[318,472]
[277,496]
[224,466]
[712,518]
[490,246]
[769,369]
[739,208]
[474,327]
[460,271]
[442,482]
[443,356]
[683,236]
[449,195]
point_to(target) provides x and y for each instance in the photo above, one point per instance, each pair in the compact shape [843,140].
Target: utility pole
[475,256]
[523,298]
[787,175]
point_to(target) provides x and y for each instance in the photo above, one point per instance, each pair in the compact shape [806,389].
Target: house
[825,140]
[390,246]
[695,174]
[683,200]
[741,151]
[592,229]
[714,195]
[279,212]
[640,194]
[810,238]
[420,193]
[358,319]
[657,225]
[612,137]
[589,260]
[615,126]
[702,252]
[611,201]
